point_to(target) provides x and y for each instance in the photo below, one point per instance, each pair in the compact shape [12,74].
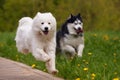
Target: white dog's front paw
[42,57]
[54,71]
[46,58]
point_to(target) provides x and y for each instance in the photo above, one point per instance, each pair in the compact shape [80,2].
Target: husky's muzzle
[78,30]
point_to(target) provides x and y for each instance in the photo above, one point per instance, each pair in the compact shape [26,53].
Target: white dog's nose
[46,28]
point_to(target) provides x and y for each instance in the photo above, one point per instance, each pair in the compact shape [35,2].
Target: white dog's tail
[25,20]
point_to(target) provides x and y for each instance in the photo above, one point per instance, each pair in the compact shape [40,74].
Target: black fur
[61,33]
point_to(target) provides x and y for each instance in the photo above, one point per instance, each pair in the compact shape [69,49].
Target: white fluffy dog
[38,36]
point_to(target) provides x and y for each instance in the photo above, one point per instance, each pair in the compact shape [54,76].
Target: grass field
[100,61]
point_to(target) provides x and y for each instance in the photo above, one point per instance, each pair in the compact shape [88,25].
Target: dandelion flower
[95,35]
[17,59]
[89,53]
[114,60]
[85,69]
[1,44]
[77,79]
[115,73]
[106,37]
[114,54]
[93,78]
[86,62]
[78,65]
[105,64]
[83,60]
[115,78]
[115,38]
[16,56]
[33,65]
[44,70]
[93,75]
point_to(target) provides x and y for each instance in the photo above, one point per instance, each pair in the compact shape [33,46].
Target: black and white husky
[70,37]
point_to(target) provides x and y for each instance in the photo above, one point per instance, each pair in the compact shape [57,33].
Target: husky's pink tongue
[45,32]
[79,31]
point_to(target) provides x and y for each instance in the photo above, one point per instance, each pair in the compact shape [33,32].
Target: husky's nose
[46,28]
[79,28]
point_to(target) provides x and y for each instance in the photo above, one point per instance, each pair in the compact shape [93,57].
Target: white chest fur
[73,41]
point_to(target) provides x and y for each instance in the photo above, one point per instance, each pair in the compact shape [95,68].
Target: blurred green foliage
[97,14]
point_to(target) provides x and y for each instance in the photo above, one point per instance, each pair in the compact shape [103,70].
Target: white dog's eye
[42,23]
[49,23]
[80,23]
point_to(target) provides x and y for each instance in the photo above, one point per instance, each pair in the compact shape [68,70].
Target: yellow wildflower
[85,69]
[114,54]
[115,78]
[105,64]
[89,53]
[1,44]
[16,56]
[86,62]
[93,78]
[93,75]
[115,73]
[114,60]
[83,60]
[77,79]
[106,37]
[33,65]
[44,70]
[95,35]
[78,65]
[116,38]
[17,59]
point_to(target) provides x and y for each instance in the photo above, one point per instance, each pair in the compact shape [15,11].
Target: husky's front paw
[79,55]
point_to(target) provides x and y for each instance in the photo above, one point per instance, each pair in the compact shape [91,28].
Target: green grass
[101,57]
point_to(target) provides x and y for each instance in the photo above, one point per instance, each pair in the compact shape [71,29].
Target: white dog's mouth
[45,32]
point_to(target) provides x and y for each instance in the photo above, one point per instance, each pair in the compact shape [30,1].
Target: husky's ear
[71,15]
[78,15]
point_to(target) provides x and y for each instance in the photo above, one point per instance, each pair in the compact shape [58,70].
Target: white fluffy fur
[31,38]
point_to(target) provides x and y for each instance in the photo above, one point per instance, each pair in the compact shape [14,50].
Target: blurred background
[96,14]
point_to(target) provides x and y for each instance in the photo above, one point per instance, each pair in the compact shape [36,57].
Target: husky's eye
[49,23]
[75,23]
[42,23]
[80,23]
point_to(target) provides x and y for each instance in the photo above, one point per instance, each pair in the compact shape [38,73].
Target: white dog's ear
[38,13]
[50,14]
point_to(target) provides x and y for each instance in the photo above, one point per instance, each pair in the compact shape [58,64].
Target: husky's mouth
[78,31]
